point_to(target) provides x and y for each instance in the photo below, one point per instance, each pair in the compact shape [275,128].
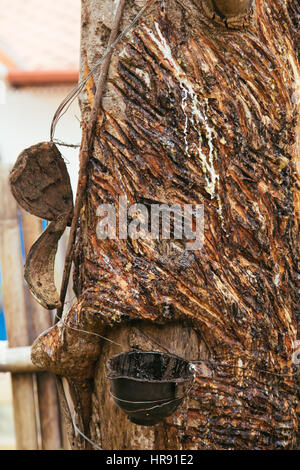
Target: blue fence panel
[2,320]
[3,336]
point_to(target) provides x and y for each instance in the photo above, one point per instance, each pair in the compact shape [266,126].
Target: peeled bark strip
[39,267]
[198,110]
[40,182]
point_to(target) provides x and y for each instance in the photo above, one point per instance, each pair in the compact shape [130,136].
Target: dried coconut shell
[40,182]
[39,267]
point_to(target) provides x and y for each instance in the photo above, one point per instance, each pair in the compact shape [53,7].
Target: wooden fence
[36,411]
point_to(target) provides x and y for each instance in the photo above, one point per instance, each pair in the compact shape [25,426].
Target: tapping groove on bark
[195,112]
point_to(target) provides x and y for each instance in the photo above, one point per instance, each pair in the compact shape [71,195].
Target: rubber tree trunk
[201,108]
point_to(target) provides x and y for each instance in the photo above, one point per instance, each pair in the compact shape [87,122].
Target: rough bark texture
[199,109]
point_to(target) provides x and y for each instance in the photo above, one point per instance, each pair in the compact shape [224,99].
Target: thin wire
[64,144]
[84,436]
[148,409]
[192,362]
[140,402]
[212,361]
[154,401]
[87,332]
[68,100]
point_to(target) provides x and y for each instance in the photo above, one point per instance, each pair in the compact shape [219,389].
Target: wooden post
[16,360]
[40,320]
[15,314]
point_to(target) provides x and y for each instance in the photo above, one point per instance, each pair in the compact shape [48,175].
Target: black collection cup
[148,385]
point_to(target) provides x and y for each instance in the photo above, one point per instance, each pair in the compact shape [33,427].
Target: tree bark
[200,108]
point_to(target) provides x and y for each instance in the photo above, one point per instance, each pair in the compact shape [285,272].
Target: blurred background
[39,61]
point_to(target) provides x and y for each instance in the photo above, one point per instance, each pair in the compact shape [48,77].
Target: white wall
[25,119]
